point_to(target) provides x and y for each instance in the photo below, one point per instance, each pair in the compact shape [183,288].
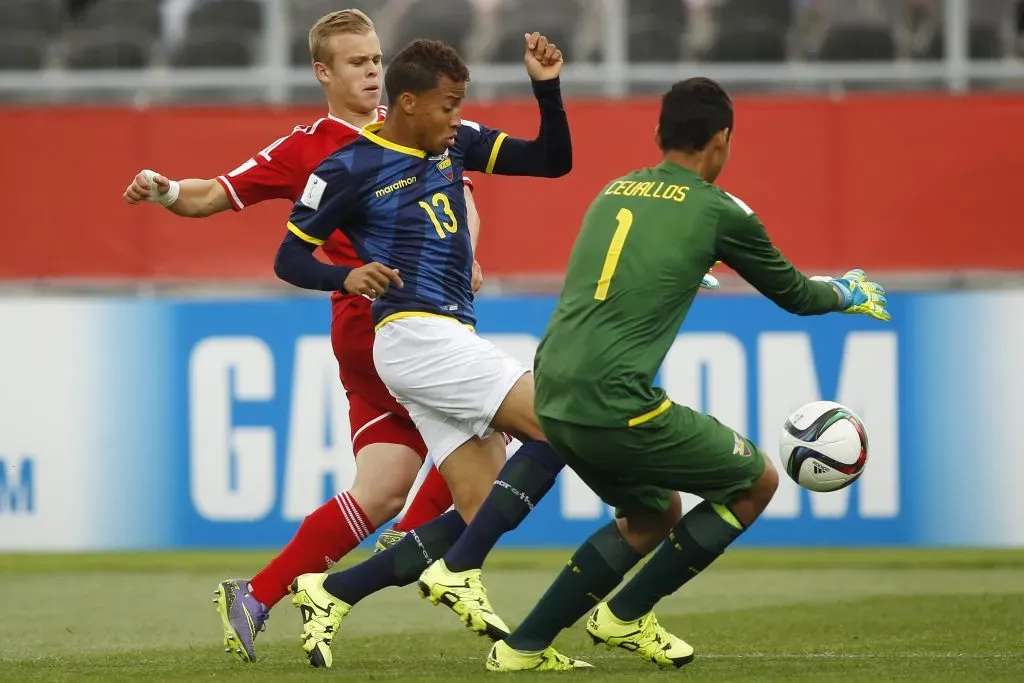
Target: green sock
[595,569]
[697,540]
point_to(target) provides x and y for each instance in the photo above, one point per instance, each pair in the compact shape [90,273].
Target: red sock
[325,536]
[432,499]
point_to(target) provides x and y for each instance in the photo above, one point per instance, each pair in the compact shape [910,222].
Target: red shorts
[374,414]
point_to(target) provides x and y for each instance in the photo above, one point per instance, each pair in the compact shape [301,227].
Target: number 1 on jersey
[611,259]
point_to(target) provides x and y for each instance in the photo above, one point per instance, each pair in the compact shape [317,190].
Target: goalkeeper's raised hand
[860,295]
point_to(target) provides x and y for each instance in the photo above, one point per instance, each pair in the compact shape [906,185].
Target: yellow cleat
[464,594]
[388,538]
[645,637]
[322,614]
[506,660]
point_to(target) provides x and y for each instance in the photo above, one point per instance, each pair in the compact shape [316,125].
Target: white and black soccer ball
[823,446]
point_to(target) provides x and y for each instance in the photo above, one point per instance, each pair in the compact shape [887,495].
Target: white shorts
[451,381]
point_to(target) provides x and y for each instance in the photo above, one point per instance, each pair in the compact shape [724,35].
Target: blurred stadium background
[161,391]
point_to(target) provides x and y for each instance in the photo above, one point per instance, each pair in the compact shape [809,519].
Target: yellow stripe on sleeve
[494,153]
[297,231]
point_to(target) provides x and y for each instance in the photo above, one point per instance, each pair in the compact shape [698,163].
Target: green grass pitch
[758,615]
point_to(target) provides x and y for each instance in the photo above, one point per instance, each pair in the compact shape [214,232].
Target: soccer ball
[823,446]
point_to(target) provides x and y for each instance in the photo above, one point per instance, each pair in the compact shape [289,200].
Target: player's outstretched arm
[744,245]
[549,155]
[189,198]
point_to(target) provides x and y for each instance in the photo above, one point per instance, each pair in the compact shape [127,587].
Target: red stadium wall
[908,182]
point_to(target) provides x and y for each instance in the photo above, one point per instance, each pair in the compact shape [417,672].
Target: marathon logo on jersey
[445,167]
[397,185]
[314,192]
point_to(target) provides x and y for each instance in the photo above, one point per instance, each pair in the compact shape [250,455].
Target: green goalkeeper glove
[860,295]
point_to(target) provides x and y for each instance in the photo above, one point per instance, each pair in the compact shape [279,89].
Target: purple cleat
[242,615]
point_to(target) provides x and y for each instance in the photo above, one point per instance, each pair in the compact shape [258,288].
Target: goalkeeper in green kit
[646,242]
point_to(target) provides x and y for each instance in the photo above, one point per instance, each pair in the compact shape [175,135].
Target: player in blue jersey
[396,194]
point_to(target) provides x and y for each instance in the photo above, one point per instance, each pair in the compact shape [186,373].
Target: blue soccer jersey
[404,209]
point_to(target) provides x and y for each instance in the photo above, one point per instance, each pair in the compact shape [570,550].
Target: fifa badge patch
[313,192]
[445,167]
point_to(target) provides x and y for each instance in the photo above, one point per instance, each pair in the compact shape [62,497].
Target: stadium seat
[668,14]
[214,48]
[41,16]
[142,16]
[557,19]
[743,11]
[304,13]
[983,42]
[649,41]
[107,49]
[858,42]
[448,20]
[749,41]
[240,15]
[22,50]
[656,31]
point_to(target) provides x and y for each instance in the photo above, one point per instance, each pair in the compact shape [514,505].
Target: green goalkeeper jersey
[645,243]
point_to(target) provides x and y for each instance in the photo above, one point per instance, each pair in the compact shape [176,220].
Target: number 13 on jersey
[611,259]
[440,201]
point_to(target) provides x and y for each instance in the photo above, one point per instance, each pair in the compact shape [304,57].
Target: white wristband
[164,198]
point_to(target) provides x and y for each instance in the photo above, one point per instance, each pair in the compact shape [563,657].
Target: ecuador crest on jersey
[445,167]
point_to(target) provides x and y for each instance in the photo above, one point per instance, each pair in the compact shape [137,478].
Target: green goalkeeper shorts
[643,466]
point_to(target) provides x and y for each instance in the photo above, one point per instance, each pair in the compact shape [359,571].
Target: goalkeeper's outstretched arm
[745,247]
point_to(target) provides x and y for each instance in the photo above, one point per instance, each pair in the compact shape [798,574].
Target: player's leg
[527,476]
[700,455]
[389,453]
[432,499]
[325,535]
[469,468]
[326,600]
[603,560]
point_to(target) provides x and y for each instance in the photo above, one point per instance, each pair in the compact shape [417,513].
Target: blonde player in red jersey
[389,452]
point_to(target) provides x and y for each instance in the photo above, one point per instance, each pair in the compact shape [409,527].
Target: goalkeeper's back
[645,244]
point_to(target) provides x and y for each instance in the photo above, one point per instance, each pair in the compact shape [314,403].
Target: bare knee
[644,529]
[384,475]
[749,505]
[767,484]
[470,472]
[380,505]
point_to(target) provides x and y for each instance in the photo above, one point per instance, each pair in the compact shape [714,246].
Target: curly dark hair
[419,66]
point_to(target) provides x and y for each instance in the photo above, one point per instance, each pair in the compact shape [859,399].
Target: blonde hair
[333,24]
